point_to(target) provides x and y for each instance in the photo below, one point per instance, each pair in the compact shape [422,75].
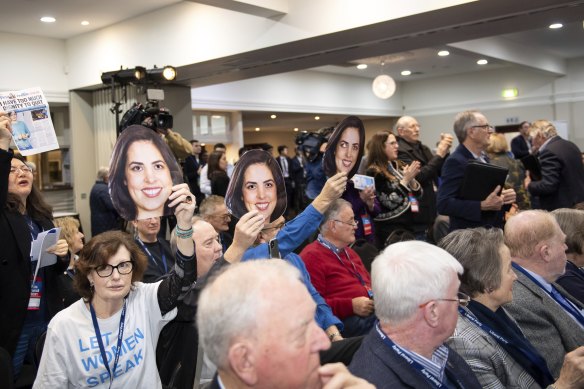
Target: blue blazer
[519,147]
[382,367]
[462,213]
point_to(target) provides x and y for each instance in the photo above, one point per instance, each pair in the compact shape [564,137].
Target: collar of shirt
[544,145]
[436,366]
[543,283]
[337,250]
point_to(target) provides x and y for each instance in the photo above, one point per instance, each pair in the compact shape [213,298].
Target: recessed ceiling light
[257,128]
[406,72]
[362,66]
[295,129]
[202,144]
[304,131]
[85,23]
[443,53]
[48,19]
[317,118]
[273,116]
[482,62]
[556,26]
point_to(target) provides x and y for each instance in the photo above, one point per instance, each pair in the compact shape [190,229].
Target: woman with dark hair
[142,172]
[486,336]
[110,335]
[396,188]
[342,155]
[70,232]
[217,173]
[26,304]
[257,183]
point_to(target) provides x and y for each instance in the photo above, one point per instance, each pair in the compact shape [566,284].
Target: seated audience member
[156,249]
[337,272]
[104,216]
[270,339]
[299,229]
[550,318]
[70,232]
[342,350]
[214,211]
[177,345]
[118,315]
[571,222]
[488,339]
[473,133]
[562,171]
[416,300]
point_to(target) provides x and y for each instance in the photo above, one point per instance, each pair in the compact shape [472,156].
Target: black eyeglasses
[484,127]
[463,300]
[104,271]
[354,224]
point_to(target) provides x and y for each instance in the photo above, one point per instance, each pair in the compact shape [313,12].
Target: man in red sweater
[338,273]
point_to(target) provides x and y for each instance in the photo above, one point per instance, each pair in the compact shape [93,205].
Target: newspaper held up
[32,127]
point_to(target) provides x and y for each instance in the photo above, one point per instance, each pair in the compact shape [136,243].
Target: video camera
[160,118]
[309,143]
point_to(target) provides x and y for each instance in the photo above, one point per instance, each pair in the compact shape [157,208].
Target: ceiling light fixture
[406,72]
[85,23]
[317,118]
[273,116]
[443,53]
[295,129]
[509,93]
[555,26]
[257,129]
[383,85]
[362,66]
[482,62]
[124,76]
[48,19]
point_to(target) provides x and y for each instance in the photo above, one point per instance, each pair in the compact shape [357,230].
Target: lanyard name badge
[100,341]
[433,380]
[152,256]
[326,244]
[366,220]
[34,302]
[414,206]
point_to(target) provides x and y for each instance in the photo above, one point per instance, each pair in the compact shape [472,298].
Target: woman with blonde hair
[395,187]
[70,232]
[498,151]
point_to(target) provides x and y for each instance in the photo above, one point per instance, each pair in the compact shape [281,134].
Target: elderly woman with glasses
[110,335]
[486,336]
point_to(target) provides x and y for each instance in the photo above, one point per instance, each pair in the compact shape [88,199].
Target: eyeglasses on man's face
[353,223]
[225,217]
[17,169]
[106,270]
[487,127]
[462,300]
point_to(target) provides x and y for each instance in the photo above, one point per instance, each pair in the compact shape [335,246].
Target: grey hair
[231,305]
[103,173]
[402,122]
[479,252]
[408,274]
[333,213]
[571,222]
[462,121]
[545,128]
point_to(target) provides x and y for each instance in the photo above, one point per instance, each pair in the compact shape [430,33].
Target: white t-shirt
[71,356]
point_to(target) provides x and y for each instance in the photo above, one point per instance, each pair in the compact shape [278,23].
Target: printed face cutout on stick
[143,171]
[344,150]
[257,183]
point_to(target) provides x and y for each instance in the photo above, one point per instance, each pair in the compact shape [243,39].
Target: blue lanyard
[432,379]
[100,341]
[152,256]
[328,245]
[565,303]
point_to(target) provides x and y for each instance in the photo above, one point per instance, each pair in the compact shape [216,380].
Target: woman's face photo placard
[143,171]
[345,147]
[257,183]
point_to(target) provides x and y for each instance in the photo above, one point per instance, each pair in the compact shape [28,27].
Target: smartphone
[273,247]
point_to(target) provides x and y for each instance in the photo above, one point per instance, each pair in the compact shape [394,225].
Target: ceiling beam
[261,8]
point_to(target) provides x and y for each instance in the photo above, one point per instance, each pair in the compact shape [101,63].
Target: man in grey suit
[550,318]
[415,285]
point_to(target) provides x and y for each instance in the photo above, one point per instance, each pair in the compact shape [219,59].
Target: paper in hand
[363,182]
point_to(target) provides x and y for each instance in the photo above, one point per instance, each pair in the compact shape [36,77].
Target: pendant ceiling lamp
[383,85]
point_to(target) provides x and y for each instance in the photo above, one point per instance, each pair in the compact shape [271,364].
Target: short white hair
[231,305]
[408,274]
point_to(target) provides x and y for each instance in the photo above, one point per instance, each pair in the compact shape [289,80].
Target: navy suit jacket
[519,147]
[562,175]
[382,367]
[462,213]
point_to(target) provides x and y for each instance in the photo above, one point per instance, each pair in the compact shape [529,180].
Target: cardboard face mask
[257,183]
[143,171]
[344,150]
